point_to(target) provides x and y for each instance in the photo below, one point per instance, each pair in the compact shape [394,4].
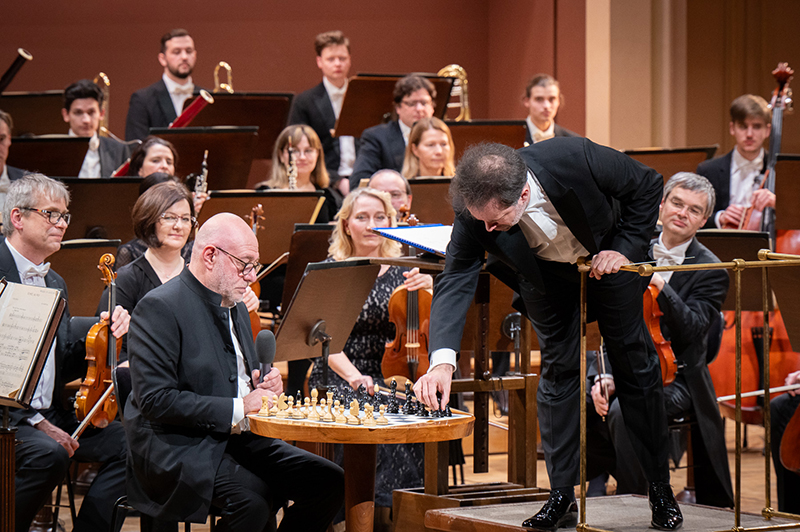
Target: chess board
[393,419]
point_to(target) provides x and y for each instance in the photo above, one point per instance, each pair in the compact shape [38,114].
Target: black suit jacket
[381,147]
[691,303]
[718,172]
[70,356]
[150,107]
[112,154]
[14,173]
[587,184]
[558,131]
[184,377]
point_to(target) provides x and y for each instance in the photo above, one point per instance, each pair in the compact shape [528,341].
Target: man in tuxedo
[384,146]
[83,111]
[393,183]
[782,408]
[319,107]
[737,175]
[35,219]
[195,378]
[542,99]
[690,302]
[162,102]
[536,211]
[7,173]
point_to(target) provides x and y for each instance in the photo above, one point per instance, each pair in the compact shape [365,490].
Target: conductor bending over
[537,210]
[192,362]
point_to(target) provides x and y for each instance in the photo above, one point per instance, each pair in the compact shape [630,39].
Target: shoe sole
[652,524]
[570,519]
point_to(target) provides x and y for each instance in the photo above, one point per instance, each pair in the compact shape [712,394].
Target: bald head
[224,244]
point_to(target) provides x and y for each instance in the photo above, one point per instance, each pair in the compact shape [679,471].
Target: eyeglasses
[247,267]
[52,216]
[417,103]
[307,153]
[694,212]
[171,219]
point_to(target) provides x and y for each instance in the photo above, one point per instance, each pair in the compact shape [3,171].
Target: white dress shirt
[43,396]
[537,134]
[745,179]
[347,144]
[548,236]
[405,130]
[5,181]
[178,93]
[669,257]
[239,423]
[91,163]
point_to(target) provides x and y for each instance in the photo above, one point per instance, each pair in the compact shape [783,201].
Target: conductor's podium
[360,451]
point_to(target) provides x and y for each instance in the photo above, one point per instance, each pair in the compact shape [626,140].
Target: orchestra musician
[154,154]
[538,210]
[399,466]
[319,107]
[7,173]
[162,102]
[384,146]
[736,175]
[189,444]
[83,111]
[782,408]
[36,218]
[394,184]
[690,302]
[430,150]
[542,99]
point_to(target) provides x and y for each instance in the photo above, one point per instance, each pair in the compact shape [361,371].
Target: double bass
[95,402]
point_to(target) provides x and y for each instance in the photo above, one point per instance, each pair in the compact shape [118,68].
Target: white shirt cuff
[238,411]
[716,219]
[445,355]
[35,419]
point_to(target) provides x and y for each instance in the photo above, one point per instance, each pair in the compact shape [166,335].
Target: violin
[102,351]
[256,215]
[410,311]
[790,444]
[652,318]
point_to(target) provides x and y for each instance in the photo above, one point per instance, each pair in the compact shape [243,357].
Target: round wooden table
[360,451]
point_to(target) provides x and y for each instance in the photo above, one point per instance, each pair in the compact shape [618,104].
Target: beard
[180,75]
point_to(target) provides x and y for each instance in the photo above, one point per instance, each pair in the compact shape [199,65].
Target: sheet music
[432,238]
[25,313]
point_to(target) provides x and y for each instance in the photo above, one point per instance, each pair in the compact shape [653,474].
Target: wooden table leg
[359,486]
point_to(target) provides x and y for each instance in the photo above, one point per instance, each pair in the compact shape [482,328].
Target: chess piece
[369,418]
[393,407]
[307,408]
[283,407]
[353,418]
[313,414]
[338,416]
[264,406]
[326,413]
[290,407]
[421,410]
[330,402]
[382,418]
[274,410]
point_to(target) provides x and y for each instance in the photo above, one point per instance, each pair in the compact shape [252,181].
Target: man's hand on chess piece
[438,379]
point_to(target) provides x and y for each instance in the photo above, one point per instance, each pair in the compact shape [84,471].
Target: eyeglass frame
[66,216]
[416,103]
[163,217]
[255,266]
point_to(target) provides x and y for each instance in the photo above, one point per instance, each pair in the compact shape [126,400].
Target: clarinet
[201,182]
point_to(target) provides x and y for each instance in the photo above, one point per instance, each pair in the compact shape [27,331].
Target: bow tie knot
[667,257]
[35,271]
[540,135]
[181,90]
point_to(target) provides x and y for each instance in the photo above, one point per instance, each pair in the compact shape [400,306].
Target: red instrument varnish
[652,318]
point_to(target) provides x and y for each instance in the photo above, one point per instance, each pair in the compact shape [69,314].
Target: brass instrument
[459,89]
[227,87]
[101,80]
[291,169]
[23,56]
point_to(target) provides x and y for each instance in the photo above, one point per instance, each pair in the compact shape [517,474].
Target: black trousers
[781,410]
[616,302]
[42,464]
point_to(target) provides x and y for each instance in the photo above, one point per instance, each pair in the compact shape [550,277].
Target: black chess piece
[392,407]
[408,406]
[421,410]
[447,411]
[298,400]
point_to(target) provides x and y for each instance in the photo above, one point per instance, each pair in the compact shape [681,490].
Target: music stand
[509,132]
[430,203]
[60,155]
[787,192]
[729,244]
[77,262]
[267,110]
[282,209]
[101,207]
[306,322]
[369,100]
[230,152]
[309,244]
[34,113]
[670,161]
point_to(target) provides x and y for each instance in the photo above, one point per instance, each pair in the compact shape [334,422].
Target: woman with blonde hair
[430,150]
[399,466]
[309,161]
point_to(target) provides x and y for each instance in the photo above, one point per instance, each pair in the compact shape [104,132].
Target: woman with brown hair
[430,150]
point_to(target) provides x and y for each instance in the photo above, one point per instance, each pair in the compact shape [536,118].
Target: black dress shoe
[559,511]
[666,512]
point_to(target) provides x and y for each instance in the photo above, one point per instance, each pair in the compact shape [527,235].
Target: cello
[410,311]
[95,403]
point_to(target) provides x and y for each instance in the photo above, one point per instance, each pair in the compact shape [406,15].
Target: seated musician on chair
[192,360]
[83,111]
[690,302]
[782,409]
[430,150]
[36,218]
[394,184]
[542,100]
[735,174]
